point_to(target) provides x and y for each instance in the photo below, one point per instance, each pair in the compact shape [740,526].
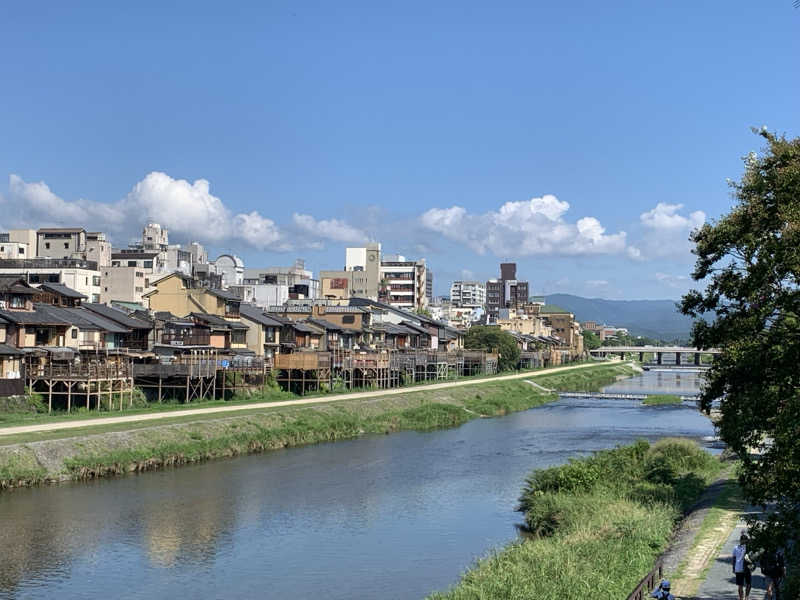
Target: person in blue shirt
[662,591]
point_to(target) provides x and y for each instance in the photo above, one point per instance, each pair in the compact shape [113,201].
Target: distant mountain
[652,318]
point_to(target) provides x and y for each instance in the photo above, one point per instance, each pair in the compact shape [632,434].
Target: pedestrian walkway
[720,583]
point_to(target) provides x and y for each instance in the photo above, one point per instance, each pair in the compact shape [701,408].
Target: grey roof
[327,325]
[224,294]
[6,350]
[61,289]
[15,284]
[117,315]
[217,321]
[106,324]
[257,315]
[32,317]
[306,327]
[72,316]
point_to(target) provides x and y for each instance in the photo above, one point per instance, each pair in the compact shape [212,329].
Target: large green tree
[749,263]
[491,339]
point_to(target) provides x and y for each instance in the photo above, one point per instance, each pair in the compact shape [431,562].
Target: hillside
[652,318]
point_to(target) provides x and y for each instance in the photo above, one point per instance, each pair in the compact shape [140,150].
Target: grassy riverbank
[596,524]
[661,399]
[119,449]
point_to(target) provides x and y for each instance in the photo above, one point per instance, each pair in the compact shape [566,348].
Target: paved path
[259,405]
[720,583]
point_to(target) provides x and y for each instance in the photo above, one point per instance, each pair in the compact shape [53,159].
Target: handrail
[648,582]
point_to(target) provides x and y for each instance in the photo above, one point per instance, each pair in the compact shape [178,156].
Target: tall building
[468,294]
[61,242]
[506,292]
[405,283]
[361,276]
[273,286]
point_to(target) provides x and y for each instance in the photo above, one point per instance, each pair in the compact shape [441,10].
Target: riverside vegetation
[594,525]
[131,449]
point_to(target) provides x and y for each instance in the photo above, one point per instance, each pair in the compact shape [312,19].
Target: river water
[395,516]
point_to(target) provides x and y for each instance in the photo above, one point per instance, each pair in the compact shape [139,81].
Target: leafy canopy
[749,261]
[490,339]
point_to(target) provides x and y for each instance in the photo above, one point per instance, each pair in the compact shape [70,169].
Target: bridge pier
[697,359]
[658,358]
[641,356]
[678,359]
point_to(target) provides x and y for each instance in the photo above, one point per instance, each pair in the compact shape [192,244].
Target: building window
[20,250]
[95,298]
[17,302]
[95,279]
[47,245]
[148,264]
[114,263]
[87,281]
[348,319]
[74,333]
[139,274]
[105,289]
[131,263]
[66,245]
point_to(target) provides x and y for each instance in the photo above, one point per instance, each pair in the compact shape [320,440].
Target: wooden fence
[648,582]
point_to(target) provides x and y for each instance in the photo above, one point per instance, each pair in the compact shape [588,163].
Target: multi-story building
[125,284]
[98,248]
[61,242]
[360,278]
[231,268]
[273,286]
[468,294]
[82,276]
[565,327]
[405,283]
[506,292]
[18,243]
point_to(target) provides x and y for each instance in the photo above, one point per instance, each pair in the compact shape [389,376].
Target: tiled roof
[32,317]
[552,309]
[257,315]
[217,321]
[61,289]
[117,315]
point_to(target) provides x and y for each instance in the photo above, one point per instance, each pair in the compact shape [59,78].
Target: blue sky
[583,140]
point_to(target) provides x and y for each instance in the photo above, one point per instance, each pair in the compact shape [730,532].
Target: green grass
[661,399]
[595,524]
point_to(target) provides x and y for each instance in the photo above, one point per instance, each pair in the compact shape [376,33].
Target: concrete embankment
[202,437]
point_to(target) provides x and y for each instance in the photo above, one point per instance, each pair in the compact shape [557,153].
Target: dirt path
[5,431]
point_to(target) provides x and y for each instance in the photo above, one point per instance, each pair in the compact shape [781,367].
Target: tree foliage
[591,340]
[749,261]
[490,339]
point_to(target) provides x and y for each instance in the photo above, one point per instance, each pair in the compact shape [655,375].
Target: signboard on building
[338,283]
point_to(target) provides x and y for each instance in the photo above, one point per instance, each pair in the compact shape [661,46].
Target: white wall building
[406,283]
[125,284]
[80,275]
[468,293]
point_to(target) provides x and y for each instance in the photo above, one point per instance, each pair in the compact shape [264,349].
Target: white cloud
[525,228]
[665,217]
[596,283]
[188,209]
[666,232]
[329,229]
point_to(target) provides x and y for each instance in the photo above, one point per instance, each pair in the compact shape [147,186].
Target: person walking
[742,568]
[773,567]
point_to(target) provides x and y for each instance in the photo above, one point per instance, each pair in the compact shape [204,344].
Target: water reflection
[385,516]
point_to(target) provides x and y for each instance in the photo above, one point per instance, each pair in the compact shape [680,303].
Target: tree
[591,340]
[423,312]
[491,339]
[749,261]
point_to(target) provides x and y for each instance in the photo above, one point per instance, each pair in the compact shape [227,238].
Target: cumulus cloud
[666,232]
[330,229]
[188,209]
[666,217]
[532,227]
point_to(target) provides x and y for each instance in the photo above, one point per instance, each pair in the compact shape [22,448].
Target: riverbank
[134,447]
[595,524]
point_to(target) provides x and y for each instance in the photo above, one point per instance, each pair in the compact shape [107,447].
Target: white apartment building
[405,283]
[61,242]
[468,294]
[18,243]
[273,286]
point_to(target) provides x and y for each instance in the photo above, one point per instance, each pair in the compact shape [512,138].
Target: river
[388,517]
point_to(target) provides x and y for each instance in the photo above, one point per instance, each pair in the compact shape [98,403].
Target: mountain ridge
[652,318]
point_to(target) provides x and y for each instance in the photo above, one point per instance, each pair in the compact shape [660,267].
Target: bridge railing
[648,582]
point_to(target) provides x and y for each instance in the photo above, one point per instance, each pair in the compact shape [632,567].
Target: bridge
[659,351]
[615,396]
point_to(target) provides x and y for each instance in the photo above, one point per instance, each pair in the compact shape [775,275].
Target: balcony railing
[195,339]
